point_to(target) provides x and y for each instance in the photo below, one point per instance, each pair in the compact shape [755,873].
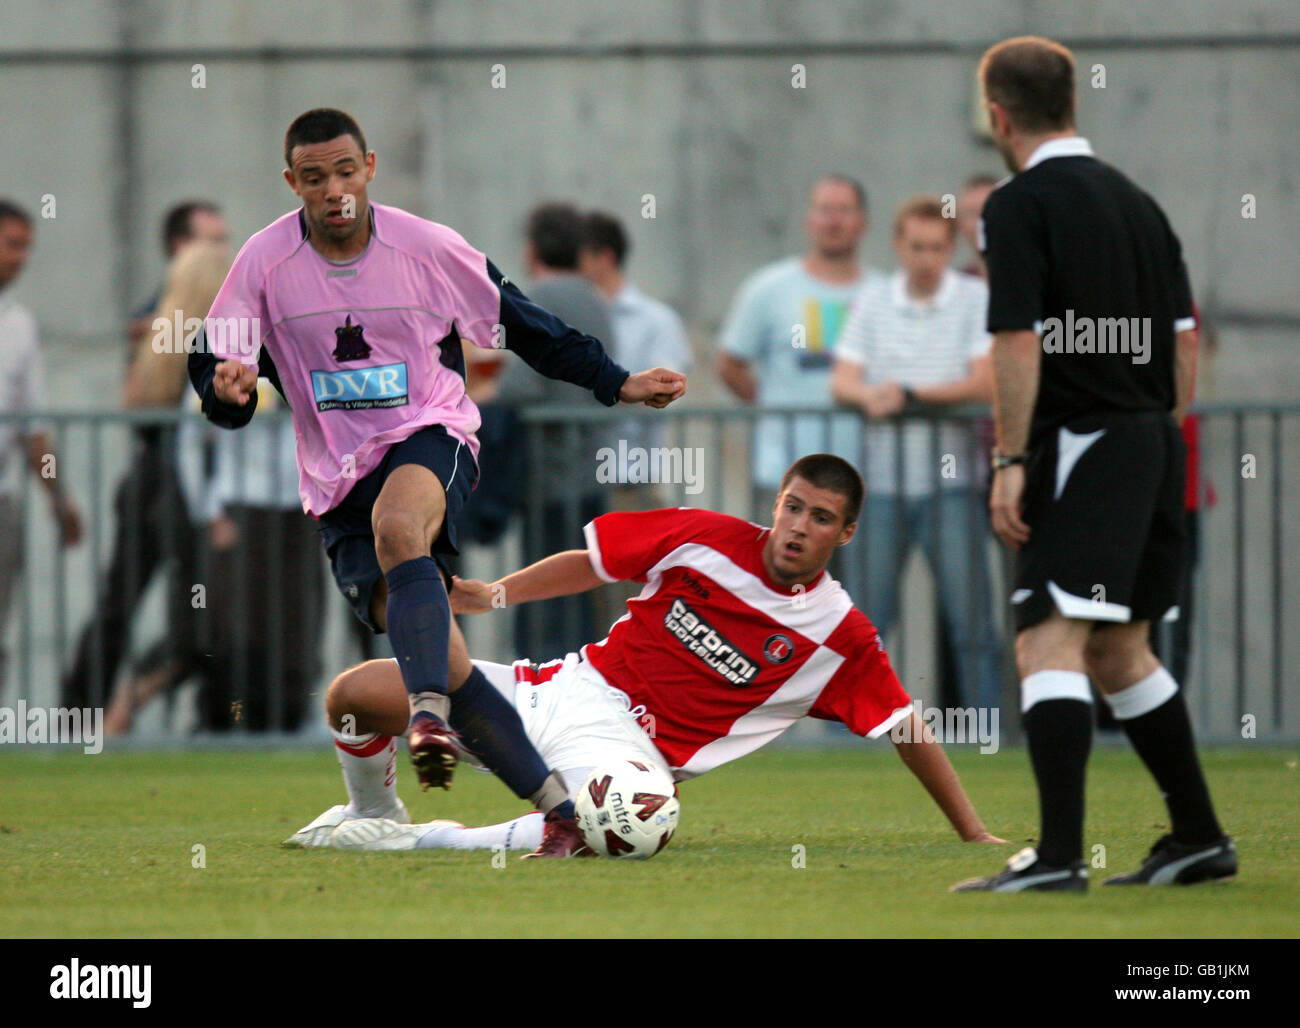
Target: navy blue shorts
[346,530]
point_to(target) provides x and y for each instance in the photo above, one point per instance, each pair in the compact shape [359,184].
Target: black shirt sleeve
[1184,307]
[202,367]
[555,349]
[1015,250]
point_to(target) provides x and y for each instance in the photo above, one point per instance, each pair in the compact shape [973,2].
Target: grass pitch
[105,847]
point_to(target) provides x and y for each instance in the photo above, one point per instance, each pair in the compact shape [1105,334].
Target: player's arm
[227,358]
[562,574]
[227,389]
[559,351]
[926,759]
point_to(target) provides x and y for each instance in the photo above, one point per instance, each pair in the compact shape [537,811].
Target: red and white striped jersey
[723,658]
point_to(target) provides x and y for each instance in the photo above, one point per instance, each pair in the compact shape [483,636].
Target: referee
[1094,358]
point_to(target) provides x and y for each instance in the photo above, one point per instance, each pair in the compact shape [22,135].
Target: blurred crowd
[217,518]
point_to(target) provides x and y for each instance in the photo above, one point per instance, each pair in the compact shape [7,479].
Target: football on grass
[628,809]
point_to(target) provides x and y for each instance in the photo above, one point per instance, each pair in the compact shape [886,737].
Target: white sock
[1053,685]
[369,765]
[523,833]
[1143,696]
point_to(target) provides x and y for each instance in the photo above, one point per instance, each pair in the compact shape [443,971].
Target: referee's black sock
[1154,717]
[1059,731]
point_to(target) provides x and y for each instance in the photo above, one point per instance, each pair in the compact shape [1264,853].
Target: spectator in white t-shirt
[777,340]
[919,336]
[22,389]
[645,329]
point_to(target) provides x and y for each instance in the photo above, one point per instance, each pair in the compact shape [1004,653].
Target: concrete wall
[723,141]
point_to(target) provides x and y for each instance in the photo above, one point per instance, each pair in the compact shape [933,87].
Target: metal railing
[263,641]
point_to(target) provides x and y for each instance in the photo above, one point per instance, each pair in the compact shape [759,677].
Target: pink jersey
[723,658]
[357,345]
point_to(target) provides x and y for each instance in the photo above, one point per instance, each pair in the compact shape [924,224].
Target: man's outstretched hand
[234,382]
[470,596]
[657,387]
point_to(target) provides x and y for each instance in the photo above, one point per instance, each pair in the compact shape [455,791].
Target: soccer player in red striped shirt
[738,632]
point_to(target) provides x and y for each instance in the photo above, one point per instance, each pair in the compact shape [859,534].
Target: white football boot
[317,834]
[381,833]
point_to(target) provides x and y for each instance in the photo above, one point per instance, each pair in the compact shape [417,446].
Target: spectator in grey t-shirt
[560,460]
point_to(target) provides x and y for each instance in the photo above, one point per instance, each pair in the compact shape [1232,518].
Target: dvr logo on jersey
[700,637]
[360,388]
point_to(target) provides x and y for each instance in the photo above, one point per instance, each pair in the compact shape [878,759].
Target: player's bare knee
[1115,658]
[399,536]
[1053,645]
[341,698]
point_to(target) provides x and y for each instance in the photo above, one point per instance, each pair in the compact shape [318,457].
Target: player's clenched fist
[657,387]
[470,596]
[234,382]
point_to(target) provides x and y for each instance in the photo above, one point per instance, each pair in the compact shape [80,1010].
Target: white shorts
[573,716]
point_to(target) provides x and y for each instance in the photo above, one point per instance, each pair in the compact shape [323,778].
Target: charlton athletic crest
[352,346]
[778,648]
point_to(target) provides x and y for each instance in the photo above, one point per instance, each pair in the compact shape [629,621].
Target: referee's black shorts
[1104,506]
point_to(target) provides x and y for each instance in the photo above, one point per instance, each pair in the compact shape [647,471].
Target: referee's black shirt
[1071,238]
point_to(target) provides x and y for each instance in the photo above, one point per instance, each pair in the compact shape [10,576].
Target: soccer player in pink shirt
[356,312]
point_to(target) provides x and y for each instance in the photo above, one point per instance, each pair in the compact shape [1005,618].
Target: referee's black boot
[1181,863]
[1026,873]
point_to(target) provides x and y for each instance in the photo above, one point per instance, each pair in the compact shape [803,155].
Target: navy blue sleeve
[554,349]
[202,367]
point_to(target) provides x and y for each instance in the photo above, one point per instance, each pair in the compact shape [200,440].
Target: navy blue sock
[419,624]
[490,726]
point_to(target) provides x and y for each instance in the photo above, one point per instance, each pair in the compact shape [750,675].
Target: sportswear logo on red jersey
[713,649]
[598,790]
[779,648]
[649,802]
[695,585]
[352,345]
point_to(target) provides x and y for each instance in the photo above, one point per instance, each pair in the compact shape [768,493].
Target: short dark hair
[178,223]
[1033,79]
[827,471]
[859,190]
[601,231]
[320,125]
[10,211]
[555,230]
